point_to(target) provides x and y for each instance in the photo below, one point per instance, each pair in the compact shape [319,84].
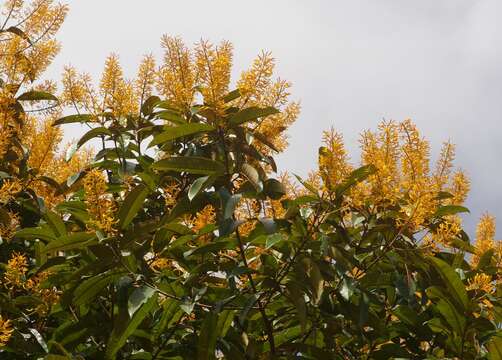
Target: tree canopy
[165,231]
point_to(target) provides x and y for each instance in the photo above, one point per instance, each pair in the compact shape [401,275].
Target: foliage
[178,241]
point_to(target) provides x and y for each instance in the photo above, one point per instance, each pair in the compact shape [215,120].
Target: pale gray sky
[352,63]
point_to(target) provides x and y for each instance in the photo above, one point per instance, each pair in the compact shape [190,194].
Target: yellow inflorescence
[100,206]
[485,234]
[6,331]
[213,72]
[177,74]
[482,282]
[15,272]
[9,189]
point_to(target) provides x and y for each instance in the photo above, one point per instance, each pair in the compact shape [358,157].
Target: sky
[352,64]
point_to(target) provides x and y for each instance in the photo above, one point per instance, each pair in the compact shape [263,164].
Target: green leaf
[274,189]
[77,118]
[449,312]
[17,31]
[207,339]
[131,205]
[122,332]
[55,223]
[93,133]
[91,287]
[35,233]
[79,240]
[39,339]
[495,348]
[232,95]
[355,177]
[199,185]
[251,113]
[230,205]
[485,259]
[172,133]
[138,297]
[252,175]
[272,240]
[36,96]
[190,164]
[450,210]
[452,281]
[149,104]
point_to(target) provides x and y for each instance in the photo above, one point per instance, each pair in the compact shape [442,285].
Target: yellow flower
[9,189]
[145,80]
[9,226]
[204,217]
[333,160]
[15,272]
[160,264]
[100,206]
[485,233]
[6,331]
[482,282]
[214,64]
[447,230]
[254,82]
[177,75]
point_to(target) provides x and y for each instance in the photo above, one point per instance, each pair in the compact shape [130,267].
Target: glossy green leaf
[132,204]
[176,132]
[190,164]
[250,114]
[36,96]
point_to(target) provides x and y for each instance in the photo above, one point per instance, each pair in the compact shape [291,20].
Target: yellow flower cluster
[15,272]
[482,282]
[204,217]
[333,160]
[402,177]
[177,75]
[100,206]
[6,331]
[213,71]
[9,225]
[485,237]
[24,58]
[9,189]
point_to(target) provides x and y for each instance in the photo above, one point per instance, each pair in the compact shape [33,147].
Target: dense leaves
[179,241]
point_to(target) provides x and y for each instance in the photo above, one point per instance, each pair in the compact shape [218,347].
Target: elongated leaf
[177,132]
[77,118]
[495,348]
[355,177]
[253,176]
[199,185]
[207,338]
[450,210]
[452,281]
[35,233]
[55,223]
[138,297]
[232,95]
[91,287]
[251,113]
[120,334]
[149,104]
[93,133]
[190,164]
[132,203]
[17,31]
[36,96]
[77,240]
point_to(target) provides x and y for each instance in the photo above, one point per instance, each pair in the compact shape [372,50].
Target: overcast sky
[352,63]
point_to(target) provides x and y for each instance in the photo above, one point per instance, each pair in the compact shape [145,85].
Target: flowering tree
[178,240]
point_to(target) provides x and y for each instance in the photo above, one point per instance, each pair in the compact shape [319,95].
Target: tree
[179,241]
